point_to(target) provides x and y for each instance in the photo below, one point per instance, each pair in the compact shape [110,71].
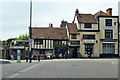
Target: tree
[60,48]
[21,37]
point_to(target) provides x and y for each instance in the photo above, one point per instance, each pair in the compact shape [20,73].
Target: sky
[14,14]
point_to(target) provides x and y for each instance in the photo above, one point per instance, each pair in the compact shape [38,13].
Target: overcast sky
[14,14]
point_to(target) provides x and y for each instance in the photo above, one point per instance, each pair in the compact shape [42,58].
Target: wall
[102,26]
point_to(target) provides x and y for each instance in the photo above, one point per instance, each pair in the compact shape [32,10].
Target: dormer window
[88,25]
[73,36]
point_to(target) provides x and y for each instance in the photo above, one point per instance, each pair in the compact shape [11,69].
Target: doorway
[74,53]
[89,49]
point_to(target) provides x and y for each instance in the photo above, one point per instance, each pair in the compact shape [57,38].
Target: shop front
[74,49]
[89,49]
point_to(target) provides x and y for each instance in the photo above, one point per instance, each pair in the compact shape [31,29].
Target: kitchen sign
[108,27]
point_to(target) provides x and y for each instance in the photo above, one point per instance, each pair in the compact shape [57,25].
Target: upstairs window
[73,36]
[108,34]
[88,25]
[38,41]
[88,36]
[108,22]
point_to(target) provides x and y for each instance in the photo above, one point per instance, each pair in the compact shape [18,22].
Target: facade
[44,38]
[97,34]
[1,50]
[88,35]
[21,45]
[119,38]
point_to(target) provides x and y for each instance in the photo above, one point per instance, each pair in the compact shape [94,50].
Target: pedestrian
[66,55]
[12,57]
[39,57]
[58,55]
[50,55]
[26,58]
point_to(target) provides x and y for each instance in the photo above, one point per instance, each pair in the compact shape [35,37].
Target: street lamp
[30,30]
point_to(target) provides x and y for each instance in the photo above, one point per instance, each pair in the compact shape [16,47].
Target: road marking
[16,74]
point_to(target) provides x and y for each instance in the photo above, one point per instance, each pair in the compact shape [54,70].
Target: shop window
[108,22]
[108,48]
[88,25]
[73,36]
[88,36]
[108,33]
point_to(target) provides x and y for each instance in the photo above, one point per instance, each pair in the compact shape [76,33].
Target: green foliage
[21,37]
[60,48]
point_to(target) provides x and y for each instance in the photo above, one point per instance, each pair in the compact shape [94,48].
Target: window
[108,48]
[73,36]
[38,41]
[108,34]
[88,49]
[108,22]
[88,36]
[35,41]
[88,25]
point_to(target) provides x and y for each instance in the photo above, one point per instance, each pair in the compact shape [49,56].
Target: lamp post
[30,30]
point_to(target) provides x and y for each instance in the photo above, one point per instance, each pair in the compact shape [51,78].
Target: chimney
[63,23]
[50,25]
[77,11]
[109,11]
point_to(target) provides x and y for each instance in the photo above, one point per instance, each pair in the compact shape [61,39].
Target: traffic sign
[30,40]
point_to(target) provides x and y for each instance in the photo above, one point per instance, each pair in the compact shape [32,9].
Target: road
[72,68]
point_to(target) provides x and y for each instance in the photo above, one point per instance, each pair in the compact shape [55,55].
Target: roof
[86,18]
[101,13]
[72,28]
[49,33]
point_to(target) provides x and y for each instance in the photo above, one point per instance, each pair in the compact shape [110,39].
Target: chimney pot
[109,11]
[50,25]
[77,11]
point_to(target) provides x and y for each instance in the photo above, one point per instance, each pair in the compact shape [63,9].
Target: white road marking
[16,74]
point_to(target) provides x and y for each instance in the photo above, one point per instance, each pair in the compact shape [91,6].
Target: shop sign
[75,42]
[17,47]
[89,41]
[108,27]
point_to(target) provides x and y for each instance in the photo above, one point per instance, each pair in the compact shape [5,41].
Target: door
[75,53]
[89,49]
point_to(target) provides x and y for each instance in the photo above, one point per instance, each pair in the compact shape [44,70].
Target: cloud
[17,33]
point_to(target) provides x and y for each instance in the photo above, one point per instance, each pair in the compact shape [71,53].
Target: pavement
[62,68]
[69,59]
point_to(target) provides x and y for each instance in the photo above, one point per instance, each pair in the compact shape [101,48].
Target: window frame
[86,25]
[111,31]
[108,48]
[107,22]
[75,36]
[86,36]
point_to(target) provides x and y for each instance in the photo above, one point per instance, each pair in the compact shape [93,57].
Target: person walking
[66,55]
[12,57]
[26,58]
[50,55]
[38,57]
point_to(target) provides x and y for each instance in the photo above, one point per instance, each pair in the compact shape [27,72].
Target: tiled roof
[72,27]
[86,18]
[49,33]
[101,13]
